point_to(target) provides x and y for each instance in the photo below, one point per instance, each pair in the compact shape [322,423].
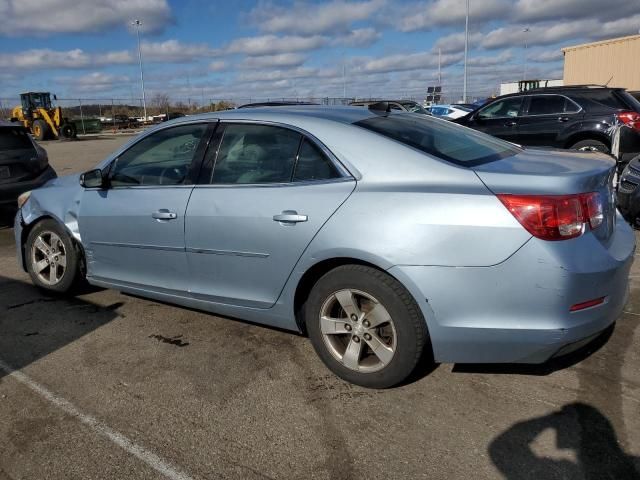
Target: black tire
[591,145]
[71,276]
[40,129]
[68,130]
[411,335]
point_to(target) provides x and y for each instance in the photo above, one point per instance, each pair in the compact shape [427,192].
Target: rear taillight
[556,217]
[630,118]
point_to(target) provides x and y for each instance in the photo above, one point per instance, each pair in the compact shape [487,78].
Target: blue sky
[260,49]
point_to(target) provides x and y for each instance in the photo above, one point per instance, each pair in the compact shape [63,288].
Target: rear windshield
[14,139]
[440,138]
[631,100]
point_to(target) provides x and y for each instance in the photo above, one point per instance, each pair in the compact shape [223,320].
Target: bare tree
[160,103]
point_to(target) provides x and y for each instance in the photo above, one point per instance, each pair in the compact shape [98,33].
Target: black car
[23,164]
[575,117]
[629,192]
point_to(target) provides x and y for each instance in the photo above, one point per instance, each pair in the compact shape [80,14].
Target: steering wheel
[172,175]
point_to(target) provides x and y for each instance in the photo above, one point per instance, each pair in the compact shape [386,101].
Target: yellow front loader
[43,120]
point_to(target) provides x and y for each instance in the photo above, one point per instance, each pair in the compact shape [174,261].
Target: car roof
[371,102]
[290,114]
[567,90]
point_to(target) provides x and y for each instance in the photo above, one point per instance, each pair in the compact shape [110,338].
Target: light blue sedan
[383,236]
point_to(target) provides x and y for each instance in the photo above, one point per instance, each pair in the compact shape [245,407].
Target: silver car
[383,236]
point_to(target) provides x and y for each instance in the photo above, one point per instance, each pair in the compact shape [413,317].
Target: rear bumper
[518,311]
[10,192]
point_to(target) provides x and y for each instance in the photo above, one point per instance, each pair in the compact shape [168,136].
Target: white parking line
[119,439]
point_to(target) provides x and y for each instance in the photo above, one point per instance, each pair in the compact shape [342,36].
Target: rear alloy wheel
[365,326]
[590,146]
[52,258]
[40,129]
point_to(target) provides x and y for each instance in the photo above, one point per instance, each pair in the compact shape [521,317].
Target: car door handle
[290,216]
[164,214]
[510,124]
[563,119]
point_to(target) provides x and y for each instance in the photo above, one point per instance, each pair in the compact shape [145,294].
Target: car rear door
[500,118]
[265,192]
[133,231]
[546,119]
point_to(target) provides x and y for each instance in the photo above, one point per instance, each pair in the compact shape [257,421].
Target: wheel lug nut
[347,327]
[354,317]
[366,323]
[356,339]
[367,337]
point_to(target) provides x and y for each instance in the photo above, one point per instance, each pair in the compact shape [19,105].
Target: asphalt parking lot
[106,385]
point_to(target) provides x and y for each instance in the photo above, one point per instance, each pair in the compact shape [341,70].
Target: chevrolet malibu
[383,236]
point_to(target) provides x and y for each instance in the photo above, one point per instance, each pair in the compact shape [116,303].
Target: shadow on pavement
[547,368]
[33,324]
[582,431]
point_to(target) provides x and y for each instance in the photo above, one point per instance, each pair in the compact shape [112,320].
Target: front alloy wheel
[48,258]
[53,260]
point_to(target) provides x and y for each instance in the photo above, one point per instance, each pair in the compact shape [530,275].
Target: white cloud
[45,58]
[175,51]
[275,61]
[49,17]
[540,10]
[436,13]
[455,42]
[360,37]
[405,62]
[272,44]
[545,56]
[309,19]
[217,66]
[93,82]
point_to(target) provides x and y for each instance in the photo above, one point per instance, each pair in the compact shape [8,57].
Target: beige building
[614,62]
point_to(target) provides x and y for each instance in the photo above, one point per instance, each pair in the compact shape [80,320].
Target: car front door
[270,191]
[546,118]
[133,230]
[499,118]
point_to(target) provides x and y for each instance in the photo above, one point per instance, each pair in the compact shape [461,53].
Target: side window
[256,154]
[313,164]
[546,104]
[162,158]
[509,107]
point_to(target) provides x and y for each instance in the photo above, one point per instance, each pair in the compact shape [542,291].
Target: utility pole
[466,50]
[440,67]
[524,72]
[344,78]
[137,24]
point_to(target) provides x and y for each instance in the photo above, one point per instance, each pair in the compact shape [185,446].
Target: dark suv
[576,117]
[24,165]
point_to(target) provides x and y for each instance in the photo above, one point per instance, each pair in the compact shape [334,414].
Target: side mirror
[55,97]
[92,179]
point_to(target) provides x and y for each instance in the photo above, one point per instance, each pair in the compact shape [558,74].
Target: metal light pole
[524,73]
[466,50]
[137,24]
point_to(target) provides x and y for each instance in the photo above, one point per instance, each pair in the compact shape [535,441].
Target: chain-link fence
[91,114]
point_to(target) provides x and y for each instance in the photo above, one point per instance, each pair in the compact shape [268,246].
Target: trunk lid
[555,172]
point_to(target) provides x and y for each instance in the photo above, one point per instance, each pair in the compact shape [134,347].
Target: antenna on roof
[607,84]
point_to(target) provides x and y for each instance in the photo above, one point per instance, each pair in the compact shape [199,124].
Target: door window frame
[205,175]
[528,105]
[194,168]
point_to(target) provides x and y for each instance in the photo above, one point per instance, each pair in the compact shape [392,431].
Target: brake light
[556,217]
[630,118]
